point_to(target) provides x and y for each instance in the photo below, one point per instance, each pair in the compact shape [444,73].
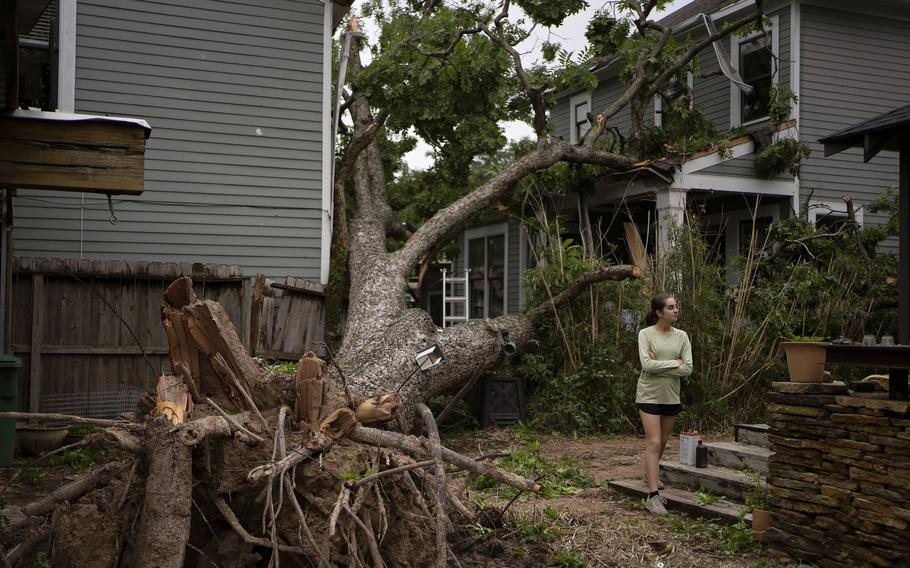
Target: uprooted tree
[231,464]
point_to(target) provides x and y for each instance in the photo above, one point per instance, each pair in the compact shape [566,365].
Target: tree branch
[448,50]
[447,221]
[534,92]
[618,272]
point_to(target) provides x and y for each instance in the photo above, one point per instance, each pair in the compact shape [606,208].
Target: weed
[33,477]
[729,539]
[534,531]
[634,504]
[80,459]
[567,559]
[42,561]
[81,430]
[704,498]
[481,530]
[281,368]
[520,552]
[354,475]
[561,478]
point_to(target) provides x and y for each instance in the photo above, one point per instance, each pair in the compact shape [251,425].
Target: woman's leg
[666,430]
[652,425]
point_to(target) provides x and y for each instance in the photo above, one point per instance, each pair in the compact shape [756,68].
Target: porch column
[671,211]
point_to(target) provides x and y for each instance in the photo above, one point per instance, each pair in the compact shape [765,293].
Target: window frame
[736,41]
[500,229]
[659,102]
[820,208]
[574,102]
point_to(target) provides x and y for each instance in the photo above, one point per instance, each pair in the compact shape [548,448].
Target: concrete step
[685,501]
[730,483]
[753,434]
[738,456]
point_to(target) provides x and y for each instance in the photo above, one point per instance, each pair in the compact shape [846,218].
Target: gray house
[845,61]
[238,94]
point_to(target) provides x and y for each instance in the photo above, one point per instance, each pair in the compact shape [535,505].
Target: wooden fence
[91,330]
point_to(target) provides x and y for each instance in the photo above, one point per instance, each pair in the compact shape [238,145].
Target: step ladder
[454,293]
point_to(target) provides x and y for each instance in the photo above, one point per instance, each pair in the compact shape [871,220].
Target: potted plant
[805,359]
[757,502]
[36,439]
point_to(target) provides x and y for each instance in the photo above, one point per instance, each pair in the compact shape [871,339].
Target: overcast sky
[571,35]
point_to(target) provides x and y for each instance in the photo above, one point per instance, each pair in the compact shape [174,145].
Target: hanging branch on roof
[693,52]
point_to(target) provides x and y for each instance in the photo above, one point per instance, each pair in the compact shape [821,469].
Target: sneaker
[656,505]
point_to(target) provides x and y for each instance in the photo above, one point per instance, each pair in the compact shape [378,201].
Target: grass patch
[567,559]
[555,479]
[79,459]
[729,539]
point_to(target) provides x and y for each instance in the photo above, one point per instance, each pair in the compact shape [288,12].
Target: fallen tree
[230,465]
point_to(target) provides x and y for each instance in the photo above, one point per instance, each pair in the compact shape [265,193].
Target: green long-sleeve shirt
[659,379]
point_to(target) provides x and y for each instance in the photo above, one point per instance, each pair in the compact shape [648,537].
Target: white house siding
[854,67]
[233,169]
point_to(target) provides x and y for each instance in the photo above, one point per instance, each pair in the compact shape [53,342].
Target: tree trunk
[164,524]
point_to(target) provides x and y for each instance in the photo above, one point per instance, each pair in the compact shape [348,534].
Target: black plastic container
[701,455]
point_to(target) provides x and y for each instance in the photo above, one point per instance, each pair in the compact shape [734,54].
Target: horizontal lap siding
[233,92]
[854,67]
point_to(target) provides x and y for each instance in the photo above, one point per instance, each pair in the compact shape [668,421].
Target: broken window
[756,66]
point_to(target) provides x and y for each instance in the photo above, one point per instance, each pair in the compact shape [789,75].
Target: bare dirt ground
[593,527]
[599,527]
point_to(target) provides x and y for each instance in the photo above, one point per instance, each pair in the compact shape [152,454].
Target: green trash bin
[9,393]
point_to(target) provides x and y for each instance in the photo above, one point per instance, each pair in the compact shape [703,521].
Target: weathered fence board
[91,330]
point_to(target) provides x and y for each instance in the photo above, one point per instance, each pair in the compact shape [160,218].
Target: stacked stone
[839,479]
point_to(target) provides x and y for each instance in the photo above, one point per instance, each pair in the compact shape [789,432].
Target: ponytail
[658,302]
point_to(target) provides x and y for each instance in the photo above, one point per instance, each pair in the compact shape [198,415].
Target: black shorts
[660,409]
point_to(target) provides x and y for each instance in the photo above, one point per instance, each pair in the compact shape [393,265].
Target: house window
[762,225]
[38,63]
[831,215]
[486,259]
[756,59]
[756,66]
[579,107]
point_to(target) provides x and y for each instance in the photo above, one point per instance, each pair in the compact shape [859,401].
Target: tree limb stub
[74,490]
[74,419]
[192,433]
[618,272]
[419,449]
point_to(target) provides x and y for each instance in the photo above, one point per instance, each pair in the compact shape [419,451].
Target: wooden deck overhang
[71,152]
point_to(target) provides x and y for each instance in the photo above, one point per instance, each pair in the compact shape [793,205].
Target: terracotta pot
[805,361]
[761,522]
[34,441]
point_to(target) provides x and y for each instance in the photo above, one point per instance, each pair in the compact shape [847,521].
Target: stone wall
[839,479]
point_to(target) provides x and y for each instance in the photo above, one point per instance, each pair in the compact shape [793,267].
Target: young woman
[666,355]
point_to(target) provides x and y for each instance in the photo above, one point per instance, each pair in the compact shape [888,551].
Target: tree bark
[163,528]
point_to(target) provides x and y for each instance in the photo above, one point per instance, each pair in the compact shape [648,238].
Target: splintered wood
[311,390]
[174,401]
[205,351]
